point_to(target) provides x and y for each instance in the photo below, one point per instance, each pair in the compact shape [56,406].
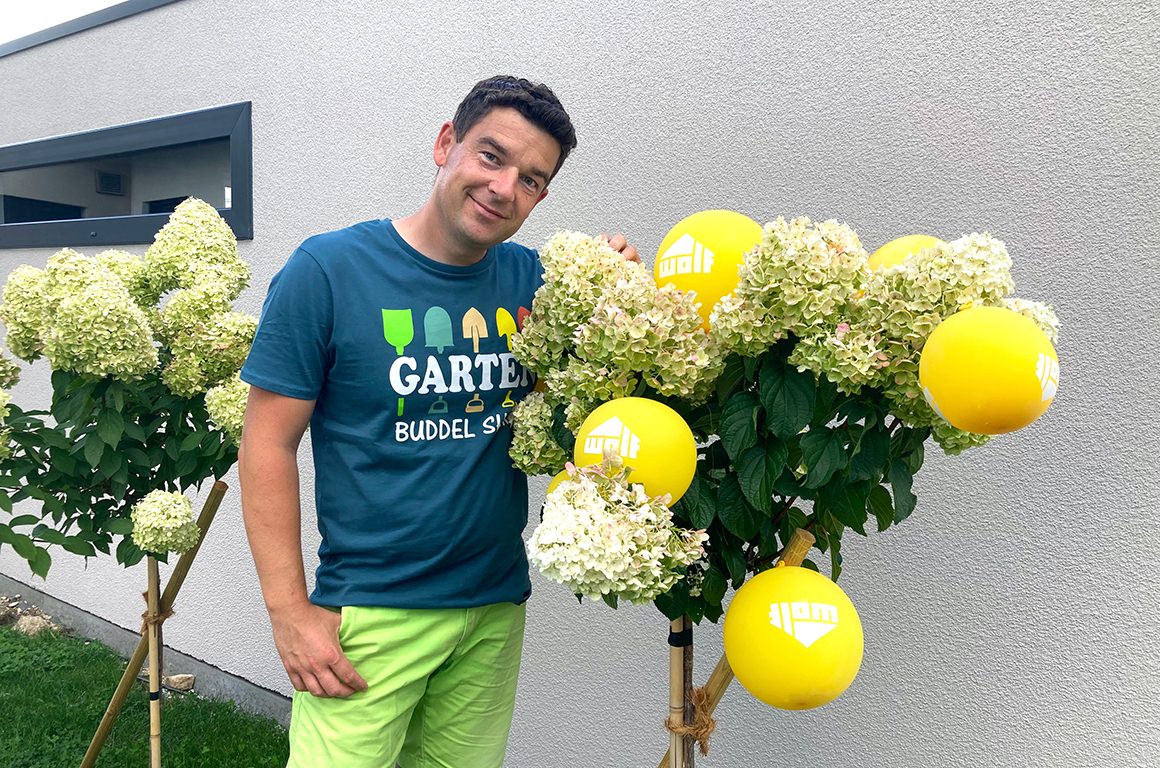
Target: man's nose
[503,183]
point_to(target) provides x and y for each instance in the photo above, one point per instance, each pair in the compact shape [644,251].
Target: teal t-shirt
[409,361]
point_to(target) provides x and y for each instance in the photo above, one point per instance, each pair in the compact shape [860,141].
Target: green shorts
[441,690]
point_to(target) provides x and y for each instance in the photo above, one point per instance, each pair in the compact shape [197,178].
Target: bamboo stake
[172,587]
[154,666]
[794,553]
[676,696]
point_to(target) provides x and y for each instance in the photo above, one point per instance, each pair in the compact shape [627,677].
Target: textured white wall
[1012,620]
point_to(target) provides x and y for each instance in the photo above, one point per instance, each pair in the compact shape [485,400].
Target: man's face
[492,178]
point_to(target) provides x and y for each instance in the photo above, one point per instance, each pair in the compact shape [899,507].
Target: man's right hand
[307,640]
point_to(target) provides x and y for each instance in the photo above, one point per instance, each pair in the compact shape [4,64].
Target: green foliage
[782,450]
[103,445]
[50,723]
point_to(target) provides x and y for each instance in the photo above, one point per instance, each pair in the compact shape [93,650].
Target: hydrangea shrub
[134,343]
[803,396]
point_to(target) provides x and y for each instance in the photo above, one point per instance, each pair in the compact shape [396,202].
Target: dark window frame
[88,21]
[232,121]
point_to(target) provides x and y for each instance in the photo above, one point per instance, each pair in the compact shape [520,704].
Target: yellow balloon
[793,638]
[703,252]
[652,439]
[897,250]
[988,370]
[555,481]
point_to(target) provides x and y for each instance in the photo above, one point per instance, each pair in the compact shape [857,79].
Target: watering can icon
[437,329]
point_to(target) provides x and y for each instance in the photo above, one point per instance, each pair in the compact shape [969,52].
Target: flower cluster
[226,406]
[163,522]
[602,535]
[802,276]
[533,450]
[79,314]
[600,327]
[99,315]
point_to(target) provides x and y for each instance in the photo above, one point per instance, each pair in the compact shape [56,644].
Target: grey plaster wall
[1012,621]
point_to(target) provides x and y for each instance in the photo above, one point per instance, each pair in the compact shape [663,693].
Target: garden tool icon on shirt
[475,404]
[437,330]
[439,406]
[474,328]
[505,325]
[399,331]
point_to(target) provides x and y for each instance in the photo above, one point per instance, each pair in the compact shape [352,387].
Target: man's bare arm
[305,634]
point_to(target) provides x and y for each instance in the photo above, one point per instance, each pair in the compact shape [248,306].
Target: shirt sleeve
[292,349]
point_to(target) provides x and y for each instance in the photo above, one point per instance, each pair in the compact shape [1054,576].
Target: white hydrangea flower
[226,405]
[1041,314]
[163,522]
[602,535]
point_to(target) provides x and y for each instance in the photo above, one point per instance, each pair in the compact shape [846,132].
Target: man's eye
[530,183]
[489,157]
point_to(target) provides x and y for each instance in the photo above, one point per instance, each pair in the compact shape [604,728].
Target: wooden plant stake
[164,609]
[794,553]
[154,599]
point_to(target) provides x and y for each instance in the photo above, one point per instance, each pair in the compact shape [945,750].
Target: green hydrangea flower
[195,246]
[163,522]
[533,450]
[226,405]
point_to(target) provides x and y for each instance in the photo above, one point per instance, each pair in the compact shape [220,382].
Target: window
[117,186]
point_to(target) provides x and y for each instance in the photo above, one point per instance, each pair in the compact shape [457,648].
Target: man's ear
[443,143]
[543,194]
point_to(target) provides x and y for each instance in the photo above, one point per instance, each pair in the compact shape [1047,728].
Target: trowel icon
[437,329]
[474,327]
[505,325]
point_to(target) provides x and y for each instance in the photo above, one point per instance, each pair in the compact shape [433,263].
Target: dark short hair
[535,102]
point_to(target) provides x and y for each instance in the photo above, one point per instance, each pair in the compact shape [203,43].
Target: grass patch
[55,688]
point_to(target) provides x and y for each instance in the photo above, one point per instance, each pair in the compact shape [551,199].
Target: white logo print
[805,622]
[684,257]
[1047,370]
[614,435]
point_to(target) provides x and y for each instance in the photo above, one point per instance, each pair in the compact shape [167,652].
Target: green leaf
[119,525]
[731,376]
[713,612]
[24,520]
[78,546]
[190,442]
[871,455]
[128,553]
[40,562]
[111,463]
[759,468]
[185,465]
[110,427]
[835,555]
[824,453]
[788,396]
[695,609]
[901,480]
[881,506]
[94,449]
[739,424]
[674,603]
[735,562]
[713,586]
[23,545]
[134,431]
[827,392]
[5,502]
[560,433]
[734,512]
[847,502]
[610,600]
[698,505]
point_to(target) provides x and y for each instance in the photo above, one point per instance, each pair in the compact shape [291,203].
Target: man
[392,340]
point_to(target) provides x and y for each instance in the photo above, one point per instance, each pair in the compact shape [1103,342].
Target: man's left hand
[619,243]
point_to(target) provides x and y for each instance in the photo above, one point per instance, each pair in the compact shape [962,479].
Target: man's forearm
[272,513]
